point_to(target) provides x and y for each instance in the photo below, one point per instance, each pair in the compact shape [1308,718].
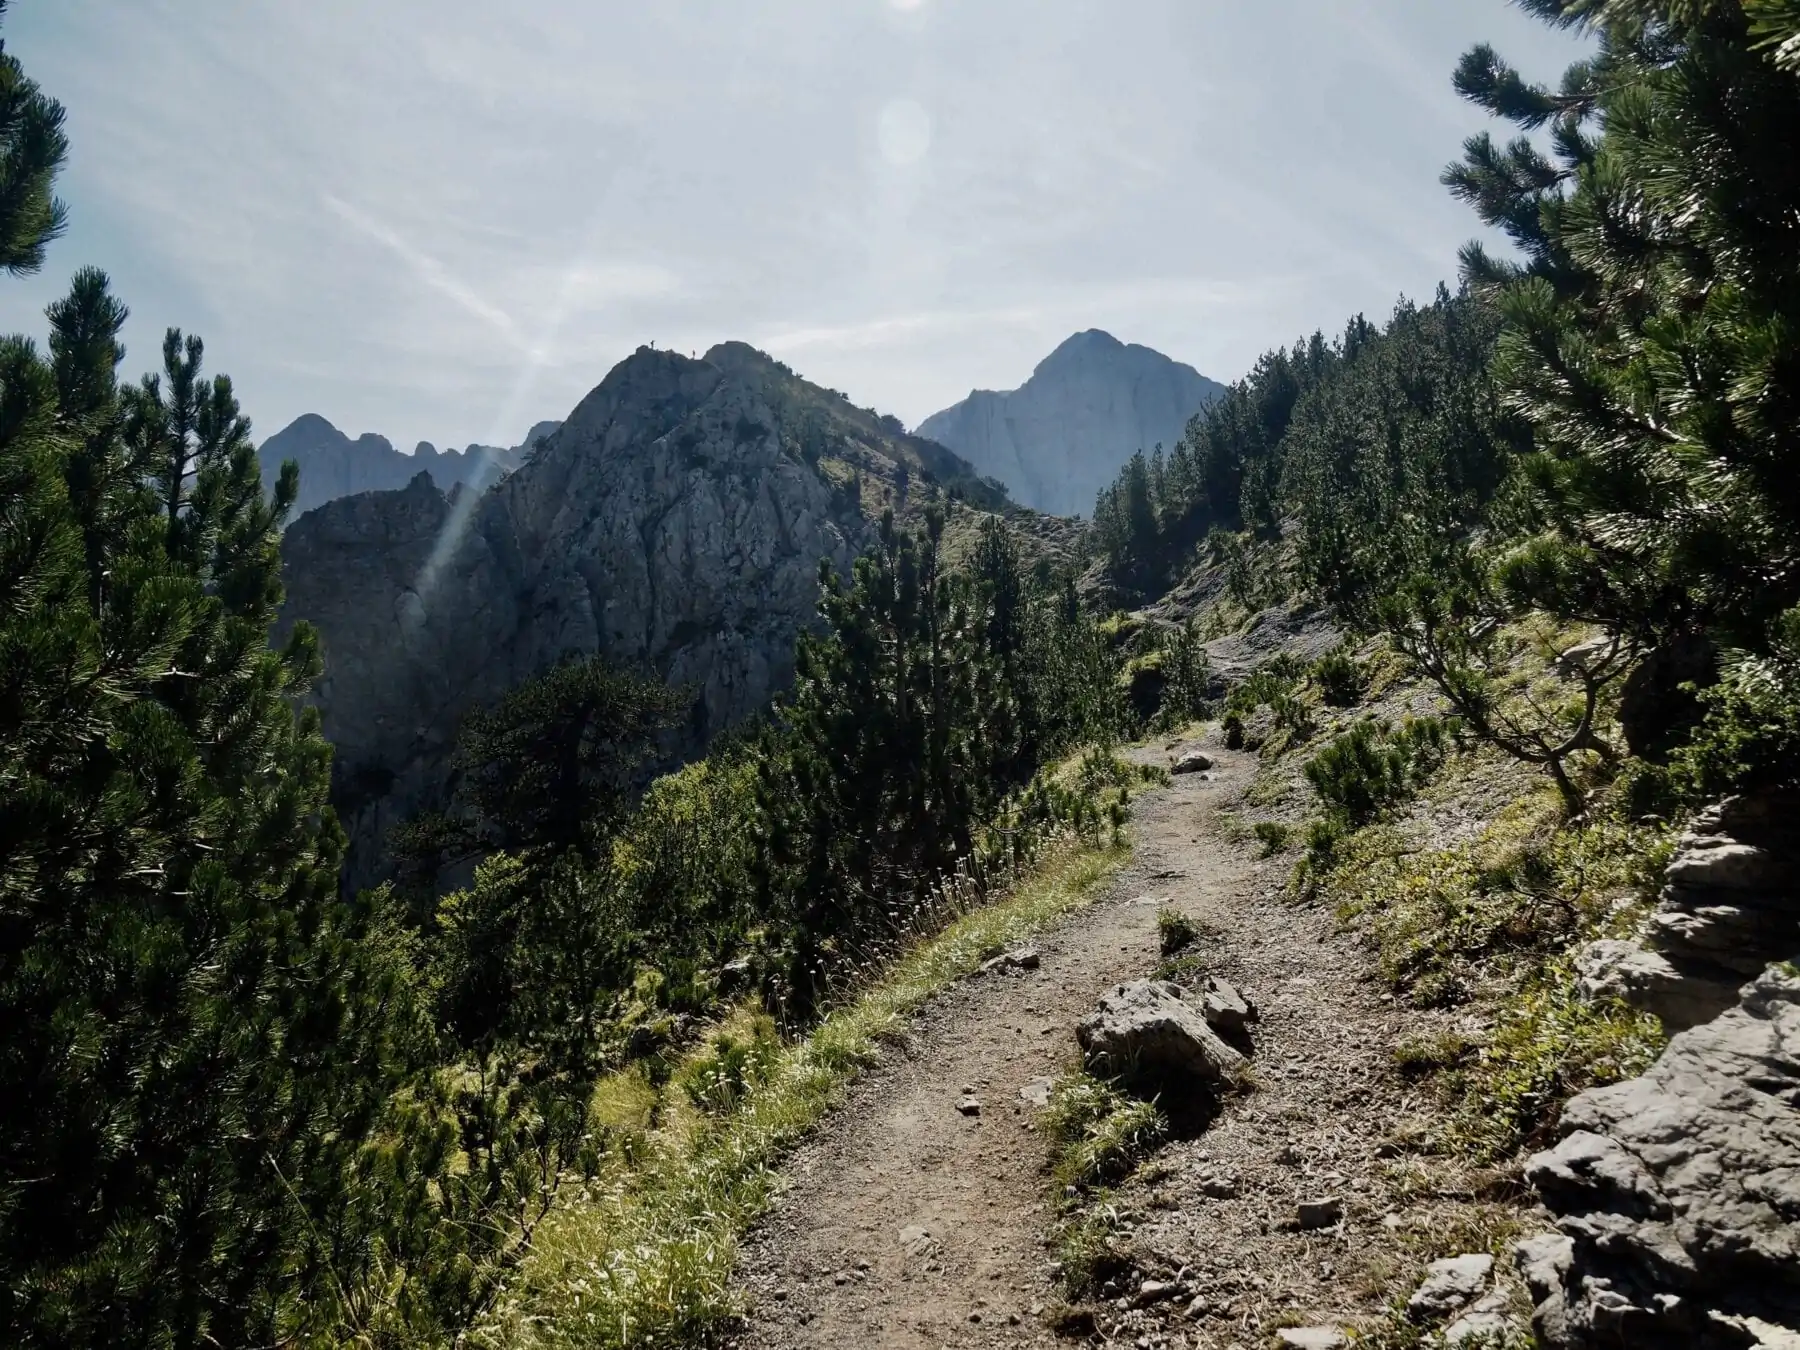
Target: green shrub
[1184,697]
[1232,727]
[1369,769]
[1097,1133]
[1340,677]
[1550,1043]
[720,1079]
[1273,835]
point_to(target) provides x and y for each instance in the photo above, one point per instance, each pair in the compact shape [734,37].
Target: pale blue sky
[446,219]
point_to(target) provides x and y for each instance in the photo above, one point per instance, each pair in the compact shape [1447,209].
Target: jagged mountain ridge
[1060,437]
[674,522]
[332,465]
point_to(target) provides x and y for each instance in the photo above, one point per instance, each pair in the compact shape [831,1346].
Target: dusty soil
[910,1224]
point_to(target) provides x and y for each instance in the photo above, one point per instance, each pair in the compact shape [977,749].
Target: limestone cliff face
[1062,436]
[332,465]
[670,524]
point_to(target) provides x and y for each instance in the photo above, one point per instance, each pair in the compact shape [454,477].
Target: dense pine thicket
[1651,338]
[1364,453]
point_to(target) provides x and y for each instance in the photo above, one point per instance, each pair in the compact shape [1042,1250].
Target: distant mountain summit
[332,465]
[1060,437]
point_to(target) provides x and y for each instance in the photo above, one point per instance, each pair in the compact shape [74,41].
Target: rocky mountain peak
[673,523]
[1062,436]
[332,465]
[1080,347]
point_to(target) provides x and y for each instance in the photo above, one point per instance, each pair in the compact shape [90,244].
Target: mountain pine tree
[1652,328]
[884,769]
[199,1043]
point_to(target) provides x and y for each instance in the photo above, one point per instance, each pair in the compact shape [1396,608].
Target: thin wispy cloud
[418,220]
[430,271]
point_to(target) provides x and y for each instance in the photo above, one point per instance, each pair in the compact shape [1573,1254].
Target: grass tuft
[1097,1133]
[1174,930]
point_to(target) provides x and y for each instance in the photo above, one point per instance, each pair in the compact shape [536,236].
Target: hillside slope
[1060,437]
[675,522]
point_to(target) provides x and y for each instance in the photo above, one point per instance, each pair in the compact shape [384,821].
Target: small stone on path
[1019,958]
[1449,1284]
[1223,1007]
[1311,1338]
[1320,1213]
[915,1240]
[969,1106]
[1194,761]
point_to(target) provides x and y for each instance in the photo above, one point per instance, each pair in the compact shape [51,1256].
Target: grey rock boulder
[1651,982]
[1147,1027]
[1192,761]
[1224,1008]
[1730,905]
[1306,634]
[1678,1193]
[1449,1284]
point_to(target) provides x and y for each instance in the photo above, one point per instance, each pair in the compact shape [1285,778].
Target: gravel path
[910,1224]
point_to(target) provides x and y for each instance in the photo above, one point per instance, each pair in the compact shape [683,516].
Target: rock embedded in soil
[1487,1323]
[1223,1007]
[1037,1092]
[1019,958]
[969,1106]
[1448,1284]
[1730,906]
[1311,1338]
[1678,1192]
[1147,1027]
[1649,981]
[1194,761]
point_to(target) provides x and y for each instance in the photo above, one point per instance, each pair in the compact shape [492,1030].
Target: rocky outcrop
[671,524]
[332,465]
[1148,1028]
[1677,1194]
[1063,435]
[1730,905]
[1304,634]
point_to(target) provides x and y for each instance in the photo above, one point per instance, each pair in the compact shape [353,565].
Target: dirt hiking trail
[907,1223]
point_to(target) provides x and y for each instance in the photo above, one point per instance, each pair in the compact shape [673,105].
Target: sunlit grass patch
[643,1255]
[1097,1134]
[1493,921]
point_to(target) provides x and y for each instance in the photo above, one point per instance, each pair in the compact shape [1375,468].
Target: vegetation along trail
[911,1223]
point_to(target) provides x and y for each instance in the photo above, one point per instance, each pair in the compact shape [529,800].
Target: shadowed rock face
[1064,434]
[1678,1193]
[332,465]
[666,524]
